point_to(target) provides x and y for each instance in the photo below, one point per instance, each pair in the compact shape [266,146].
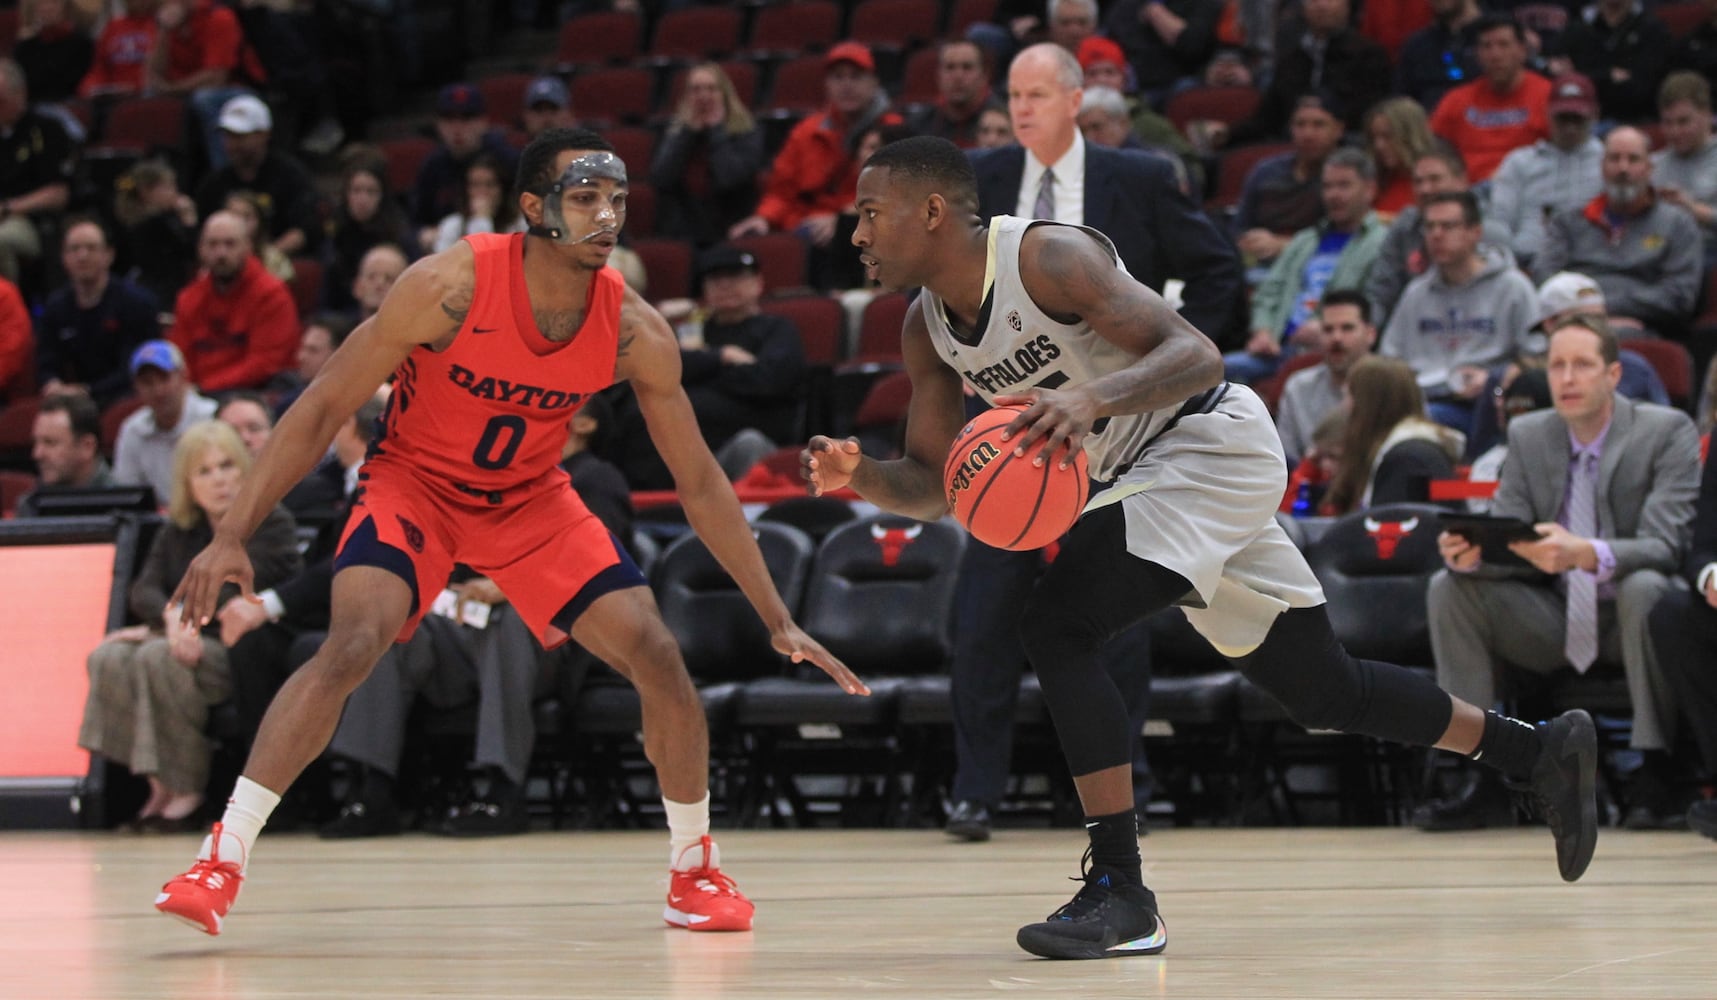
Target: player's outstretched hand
[828,465]
[792,642]
[222,560]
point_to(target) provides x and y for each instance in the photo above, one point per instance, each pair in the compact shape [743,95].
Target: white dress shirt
[1069,185]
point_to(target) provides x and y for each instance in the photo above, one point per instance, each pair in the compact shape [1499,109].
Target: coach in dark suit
[1133,198]
[1610,485]
[1684,636]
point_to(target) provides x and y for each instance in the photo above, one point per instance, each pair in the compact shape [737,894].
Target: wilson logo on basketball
[981,455]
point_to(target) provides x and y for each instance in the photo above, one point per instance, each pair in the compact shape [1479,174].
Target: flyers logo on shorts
[413,534]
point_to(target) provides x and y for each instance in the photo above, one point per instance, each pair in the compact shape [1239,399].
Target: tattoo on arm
[625,345]
[457,302]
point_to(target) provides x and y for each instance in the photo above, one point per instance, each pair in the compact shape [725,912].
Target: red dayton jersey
[490,413]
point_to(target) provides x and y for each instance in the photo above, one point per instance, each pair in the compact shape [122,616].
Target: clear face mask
[586,171]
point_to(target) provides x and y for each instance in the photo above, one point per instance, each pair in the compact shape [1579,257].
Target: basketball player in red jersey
[492,345]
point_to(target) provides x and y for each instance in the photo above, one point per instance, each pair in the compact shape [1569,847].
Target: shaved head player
[492,344]
[1196,470]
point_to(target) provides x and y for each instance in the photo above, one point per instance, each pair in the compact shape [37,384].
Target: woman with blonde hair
[1390,448]
[1398,133]
[151,685]
[706,166]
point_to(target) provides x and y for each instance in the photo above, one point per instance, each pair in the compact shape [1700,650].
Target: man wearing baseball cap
[547,104]
[284,189]
[143,453]
[815,176]
[1551,175]
[462,124]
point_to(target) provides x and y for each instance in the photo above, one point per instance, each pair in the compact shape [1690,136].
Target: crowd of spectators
[1423,182]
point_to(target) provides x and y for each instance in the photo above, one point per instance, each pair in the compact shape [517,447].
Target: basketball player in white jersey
[1041,314]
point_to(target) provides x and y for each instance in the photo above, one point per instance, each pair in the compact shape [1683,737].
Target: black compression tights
[1095,589]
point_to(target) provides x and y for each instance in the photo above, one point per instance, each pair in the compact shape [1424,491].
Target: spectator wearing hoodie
[1644,253]
[1463,316]
[1552,175]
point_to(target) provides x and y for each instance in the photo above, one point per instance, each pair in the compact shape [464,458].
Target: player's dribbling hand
[827,464]
[222,560]
[792,642]
[1059,419]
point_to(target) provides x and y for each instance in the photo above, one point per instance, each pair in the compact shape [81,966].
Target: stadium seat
[145,123]
[599,38]
[8,30]
[719,633]
[23,384]
[897,24]
[821,322]
[668,264]
[793,28]
[614,95]
[880,421]
[967,13]
[1683,17]
[1223,104]
[405,156]
[879,329]
[693,33]
[504,96]
[306,285]
[13,485]
[1235,165]
[1375,566]
[798,86]
[1672,363]
[780,259]
[880,597]
[636,147]
[640,206]
[17,427]
[919,86]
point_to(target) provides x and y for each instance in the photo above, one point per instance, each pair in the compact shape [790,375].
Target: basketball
[1004,500]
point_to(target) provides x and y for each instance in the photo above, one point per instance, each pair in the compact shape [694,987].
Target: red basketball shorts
[541,546]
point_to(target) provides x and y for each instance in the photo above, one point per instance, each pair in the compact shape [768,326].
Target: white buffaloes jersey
[1018,347]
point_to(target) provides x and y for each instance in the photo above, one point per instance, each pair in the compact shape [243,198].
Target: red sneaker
[703,899]
[202,896]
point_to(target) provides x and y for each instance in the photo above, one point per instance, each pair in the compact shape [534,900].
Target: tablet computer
[1490,533]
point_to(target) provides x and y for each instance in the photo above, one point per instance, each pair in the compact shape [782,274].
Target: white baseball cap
[1567,290]
[245,114]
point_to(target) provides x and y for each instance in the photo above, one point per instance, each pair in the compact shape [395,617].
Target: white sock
[247,811]
[688,823]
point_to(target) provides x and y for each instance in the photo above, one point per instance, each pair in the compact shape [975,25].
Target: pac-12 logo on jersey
[1013,321]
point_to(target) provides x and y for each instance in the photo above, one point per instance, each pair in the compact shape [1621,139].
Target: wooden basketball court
[1371,913]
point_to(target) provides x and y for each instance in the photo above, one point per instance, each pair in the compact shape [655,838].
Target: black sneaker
[1108,918]
[1563,789]
[486,817]
[362,818]
[1702,818]
[970,821]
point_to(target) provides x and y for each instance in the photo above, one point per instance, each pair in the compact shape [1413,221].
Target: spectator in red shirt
[122,52]
[200,52]
[1507,109]
[236,324]
[15,338]
[815,176]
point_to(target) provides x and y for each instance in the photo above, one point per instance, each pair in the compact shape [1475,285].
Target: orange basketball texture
[1003,500]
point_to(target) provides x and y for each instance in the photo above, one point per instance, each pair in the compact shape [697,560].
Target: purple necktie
[1581,643]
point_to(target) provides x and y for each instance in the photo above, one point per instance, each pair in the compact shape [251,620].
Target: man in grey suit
[1609,485]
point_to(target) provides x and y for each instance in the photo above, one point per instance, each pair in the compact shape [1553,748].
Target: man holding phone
[1608,485]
